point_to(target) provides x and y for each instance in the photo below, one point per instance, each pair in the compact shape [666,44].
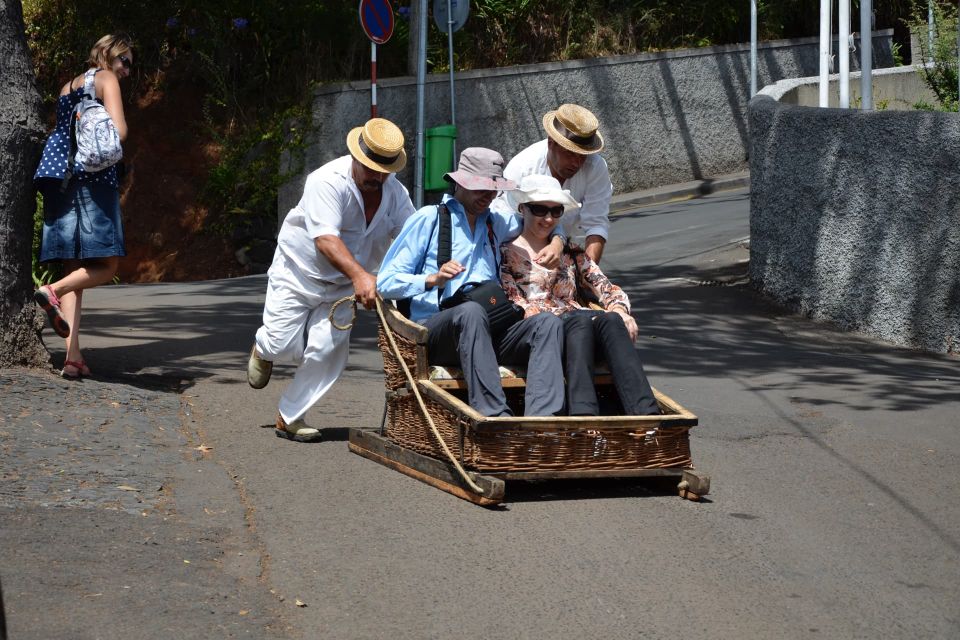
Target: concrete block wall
[855,218]
[667,117]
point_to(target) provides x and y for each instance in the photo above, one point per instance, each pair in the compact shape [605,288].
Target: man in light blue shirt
[460,336]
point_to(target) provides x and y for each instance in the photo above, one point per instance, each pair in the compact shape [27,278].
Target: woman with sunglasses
[81,211]
[609,332]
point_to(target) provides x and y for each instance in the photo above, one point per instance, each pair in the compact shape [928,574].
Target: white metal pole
[453,102]
[930,30]
[866,55]
[421,79]
[753,48]
[843,51]
[825,36]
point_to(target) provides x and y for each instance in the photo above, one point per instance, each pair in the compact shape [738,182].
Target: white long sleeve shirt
[332,205]
[590,186]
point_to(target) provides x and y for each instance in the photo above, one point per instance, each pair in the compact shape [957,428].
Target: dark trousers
[460,337]
[589,333]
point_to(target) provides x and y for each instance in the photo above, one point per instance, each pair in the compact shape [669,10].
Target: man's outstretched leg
[282,336]
[324,359]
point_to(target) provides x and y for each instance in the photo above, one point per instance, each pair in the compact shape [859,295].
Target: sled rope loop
[353,317]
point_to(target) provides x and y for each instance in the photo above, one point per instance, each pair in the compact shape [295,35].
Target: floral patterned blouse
[535,288]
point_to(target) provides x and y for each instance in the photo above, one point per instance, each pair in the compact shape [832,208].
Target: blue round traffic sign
[376,18]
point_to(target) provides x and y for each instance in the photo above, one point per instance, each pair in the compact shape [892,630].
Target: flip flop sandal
[71,371]
[83,370]
[49,302]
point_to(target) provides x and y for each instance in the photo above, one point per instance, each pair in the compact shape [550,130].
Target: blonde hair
[108,48]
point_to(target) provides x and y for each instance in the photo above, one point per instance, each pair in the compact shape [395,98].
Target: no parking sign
[376,18]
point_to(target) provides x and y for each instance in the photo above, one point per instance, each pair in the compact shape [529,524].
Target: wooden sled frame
[467,432]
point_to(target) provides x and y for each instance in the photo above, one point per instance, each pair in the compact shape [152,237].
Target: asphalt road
[833,512]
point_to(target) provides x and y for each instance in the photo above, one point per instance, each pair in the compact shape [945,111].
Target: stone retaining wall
[855,217]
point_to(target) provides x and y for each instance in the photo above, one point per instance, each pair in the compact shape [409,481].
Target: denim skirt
[81,222]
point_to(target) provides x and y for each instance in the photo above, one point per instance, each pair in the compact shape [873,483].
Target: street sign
[459,9]
[376,18]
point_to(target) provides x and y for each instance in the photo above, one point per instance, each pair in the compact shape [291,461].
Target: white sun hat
[541,188]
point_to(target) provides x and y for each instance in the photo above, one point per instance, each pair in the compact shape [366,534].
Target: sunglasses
[125,61]
[541,210]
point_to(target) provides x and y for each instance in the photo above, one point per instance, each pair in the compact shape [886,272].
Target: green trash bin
[438,156]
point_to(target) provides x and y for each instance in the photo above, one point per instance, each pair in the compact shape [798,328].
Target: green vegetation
[941,76]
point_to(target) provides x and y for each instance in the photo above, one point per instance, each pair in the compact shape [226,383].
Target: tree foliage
[941,75]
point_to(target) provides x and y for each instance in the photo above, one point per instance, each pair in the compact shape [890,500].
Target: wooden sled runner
[478,454]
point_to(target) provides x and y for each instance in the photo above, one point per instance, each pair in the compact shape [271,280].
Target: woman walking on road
[81,210]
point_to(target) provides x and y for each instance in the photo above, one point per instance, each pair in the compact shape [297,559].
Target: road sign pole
[373,79]
[824,89]
[421,79]
[453,102]
[843,50]
[866,55]
[753,48]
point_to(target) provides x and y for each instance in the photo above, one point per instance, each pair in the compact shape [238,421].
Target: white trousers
[297,330]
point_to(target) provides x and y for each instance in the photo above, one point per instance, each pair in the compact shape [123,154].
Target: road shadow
[519,491]
[181,334]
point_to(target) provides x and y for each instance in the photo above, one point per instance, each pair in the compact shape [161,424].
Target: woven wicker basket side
[407,426]
[573,449]
[392,370]
[508,449]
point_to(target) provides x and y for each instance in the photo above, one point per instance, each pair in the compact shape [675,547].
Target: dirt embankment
[169,159]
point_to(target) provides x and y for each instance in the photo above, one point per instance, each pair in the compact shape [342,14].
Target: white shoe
[298,431]
[258,370]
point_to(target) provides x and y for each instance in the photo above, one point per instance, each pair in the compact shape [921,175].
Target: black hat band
[571,136]
[373,155]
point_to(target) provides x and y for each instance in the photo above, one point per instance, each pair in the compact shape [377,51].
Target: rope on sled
[423,407]
[413,383]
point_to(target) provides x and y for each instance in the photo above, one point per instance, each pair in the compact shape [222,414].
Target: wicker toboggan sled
[474,454]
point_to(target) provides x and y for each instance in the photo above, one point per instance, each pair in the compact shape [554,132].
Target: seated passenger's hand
[448,271]
[365,289]
[631,324]
[549,256]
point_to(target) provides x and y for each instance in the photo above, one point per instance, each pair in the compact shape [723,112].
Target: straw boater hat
[540,188]
[574,128]
[480,170]
[378,145]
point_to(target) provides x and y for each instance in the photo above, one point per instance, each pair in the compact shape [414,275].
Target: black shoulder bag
[501,313]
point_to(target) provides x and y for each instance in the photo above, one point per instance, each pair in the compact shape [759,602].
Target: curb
[681,191]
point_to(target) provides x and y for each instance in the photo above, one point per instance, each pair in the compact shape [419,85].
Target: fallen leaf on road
[244,612]
[124,487]
[299,603]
